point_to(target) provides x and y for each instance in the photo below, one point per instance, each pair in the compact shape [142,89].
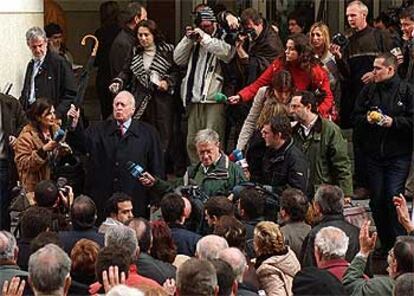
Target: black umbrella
[84,76]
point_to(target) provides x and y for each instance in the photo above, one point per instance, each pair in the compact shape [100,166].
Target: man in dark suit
[83,216]
[111,144]
[48,75]
[126,38]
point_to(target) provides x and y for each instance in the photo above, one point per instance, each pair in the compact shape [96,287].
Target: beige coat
[276,274]
[31,167]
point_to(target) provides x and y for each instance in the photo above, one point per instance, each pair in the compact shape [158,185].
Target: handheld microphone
[134,169]
[238,158]
[59,135]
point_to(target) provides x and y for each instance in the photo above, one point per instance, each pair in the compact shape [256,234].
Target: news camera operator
[214,174]
[258,44]
[202,50]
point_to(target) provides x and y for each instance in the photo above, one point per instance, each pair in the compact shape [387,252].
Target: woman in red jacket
[306,70]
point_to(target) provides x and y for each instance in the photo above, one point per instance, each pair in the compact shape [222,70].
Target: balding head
[8,248]
[210,246]
[49,271]
[143,232]
[124,106]
[237,261]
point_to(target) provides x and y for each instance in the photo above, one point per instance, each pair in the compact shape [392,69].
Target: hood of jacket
[287,263]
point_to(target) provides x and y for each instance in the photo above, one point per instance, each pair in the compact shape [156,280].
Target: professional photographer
[201,50]
[58,200]
[215,174]
[258,44]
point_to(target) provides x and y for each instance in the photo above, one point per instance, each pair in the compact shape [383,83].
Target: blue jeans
[386,178]
[4,195]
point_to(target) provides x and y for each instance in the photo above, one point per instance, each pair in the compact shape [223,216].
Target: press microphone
[59,135]
[134,169]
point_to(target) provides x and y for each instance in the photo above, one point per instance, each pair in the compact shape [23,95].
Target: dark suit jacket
[120,50]
[69,238]
[184,239]
[13,120]
[155,269]
[108,156]
[54,81]
[307,254]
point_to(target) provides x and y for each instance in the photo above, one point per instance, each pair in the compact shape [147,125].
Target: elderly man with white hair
[8,258]
[111,145]
[331,244]
[210,246]
[238,263]
[215,174]
[49,271]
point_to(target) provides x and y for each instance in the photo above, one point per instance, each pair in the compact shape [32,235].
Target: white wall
[16,16]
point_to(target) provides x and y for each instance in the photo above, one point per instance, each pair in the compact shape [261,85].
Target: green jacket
[356,285]
[327,152]
[219,179]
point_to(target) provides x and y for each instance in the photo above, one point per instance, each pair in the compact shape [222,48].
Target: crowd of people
[248,197]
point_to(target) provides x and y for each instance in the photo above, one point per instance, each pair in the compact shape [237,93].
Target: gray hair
[124,236]
[206,135]
[196,277]
[237,261]
[404,284]
[330,198]
[361,6]
[35,33]
[210,246]
[8,245]
[122,290]
[48,269]
[331,242]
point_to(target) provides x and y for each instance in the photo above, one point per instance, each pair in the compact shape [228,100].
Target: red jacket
[134,280]
[337,267]
[301,79]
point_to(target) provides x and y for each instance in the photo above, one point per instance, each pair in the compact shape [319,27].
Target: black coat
[184,239]
[13,119]
[286,167]
[120,50]
[108,155]
[54,81]
[395,98]
[70,238]
[307,253]
[155,269]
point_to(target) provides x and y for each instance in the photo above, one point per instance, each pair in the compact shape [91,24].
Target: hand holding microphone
[138,172]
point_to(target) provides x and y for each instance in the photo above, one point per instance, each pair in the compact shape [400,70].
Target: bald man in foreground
[110,144]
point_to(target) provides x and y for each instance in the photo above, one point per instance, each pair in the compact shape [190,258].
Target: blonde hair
[326,36]
[271,108]
[268,239]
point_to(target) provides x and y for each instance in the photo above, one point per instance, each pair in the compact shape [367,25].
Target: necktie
[121,129]
[36,66]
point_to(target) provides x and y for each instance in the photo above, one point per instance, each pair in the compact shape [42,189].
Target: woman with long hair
[277,94]
[163,247]
[306,70]
[35,143]
[320,41]
[149,74]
